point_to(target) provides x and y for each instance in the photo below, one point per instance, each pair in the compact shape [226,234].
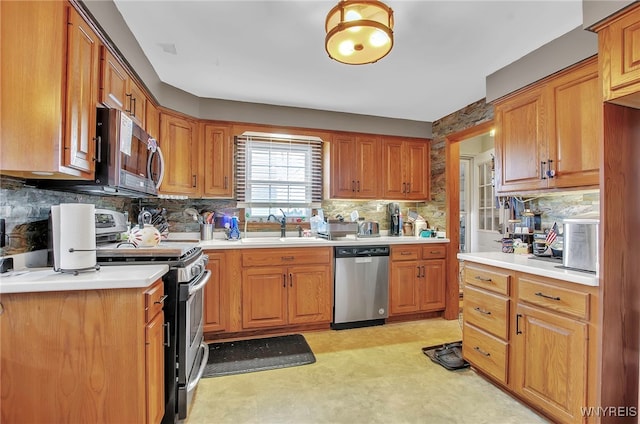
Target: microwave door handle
[160,166]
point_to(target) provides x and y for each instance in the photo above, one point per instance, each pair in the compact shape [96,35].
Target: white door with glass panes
[486,223]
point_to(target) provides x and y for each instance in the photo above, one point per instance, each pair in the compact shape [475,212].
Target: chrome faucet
[283,223]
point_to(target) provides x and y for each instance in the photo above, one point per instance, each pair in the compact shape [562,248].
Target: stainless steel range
[186,354]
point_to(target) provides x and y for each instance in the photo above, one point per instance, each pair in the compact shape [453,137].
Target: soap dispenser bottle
[234,231]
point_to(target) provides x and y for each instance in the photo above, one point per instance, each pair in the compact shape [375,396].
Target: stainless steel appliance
[395,226]
[368,229]
[128,162]
[186,354]
[580,249]
[361,286]
[338,228]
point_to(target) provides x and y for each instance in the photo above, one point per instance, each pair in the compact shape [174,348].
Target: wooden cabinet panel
[114,81]
[434,251]
[309,294]
[409,252]
[432,296]
[153,301]
[152,120]
[137,103]
[487,311]
[618,49]
[570,302]
[83,57]
[393,186]
[286,256]
[264,297]
[575,126]
[494,279]
[417,170]
[355,161]
[215,295]
[520,142]
[552,363]
[406,169]
[179,144]
[404,294]
[217,171]
[486,352]
[154,371]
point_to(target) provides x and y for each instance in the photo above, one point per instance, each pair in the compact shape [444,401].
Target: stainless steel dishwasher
[361,286]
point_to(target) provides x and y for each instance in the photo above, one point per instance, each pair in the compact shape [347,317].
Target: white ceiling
[272,52]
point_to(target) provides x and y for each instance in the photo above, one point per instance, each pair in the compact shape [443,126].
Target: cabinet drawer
[487,311]
[485,352]
[555,298]
[434,252]
[285,256]
[405,253]
[153,300]
[487,278]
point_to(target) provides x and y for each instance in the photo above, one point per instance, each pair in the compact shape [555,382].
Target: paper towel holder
[95,267]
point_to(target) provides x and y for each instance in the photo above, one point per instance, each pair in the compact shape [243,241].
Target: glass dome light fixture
[359,32]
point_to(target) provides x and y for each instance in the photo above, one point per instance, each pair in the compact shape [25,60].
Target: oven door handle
[204,280]
[205,358]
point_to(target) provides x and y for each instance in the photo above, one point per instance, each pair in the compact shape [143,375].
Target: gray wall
[554,56]
[593,11]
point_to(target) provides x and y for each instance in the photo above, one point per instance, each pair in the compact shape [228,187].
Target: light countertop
[107,277]
[274,241]
[524,263]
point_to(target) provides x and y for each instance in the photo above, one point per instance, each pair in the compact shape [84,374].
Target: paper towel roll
[77,232]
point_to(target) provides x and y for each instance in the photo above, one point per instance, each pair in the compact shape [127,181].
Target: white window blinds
[278,172]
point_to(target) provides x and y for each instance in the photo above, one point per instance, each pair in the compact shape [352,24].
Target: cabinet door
[309,297]
[215,296]
[217,172]
[154,369]
[136,103]
[343,166]
[152,120]
[521,142]
[417,170]
[432,296]
[368,168]
[551,362]
[575,127]
[393,184]
[179,143]
[82,94]
[114,82]
[404,293]
[264,297]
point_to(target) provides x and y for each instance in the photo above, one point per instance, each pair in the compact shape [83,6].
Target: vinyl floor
[366,375]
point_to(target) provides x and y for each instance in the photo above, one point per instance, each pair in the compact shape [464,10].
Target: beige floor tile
[365,375]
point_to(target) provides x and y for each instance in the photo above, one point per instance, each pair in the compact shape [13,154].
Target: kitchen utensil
[194,214]
[144,234]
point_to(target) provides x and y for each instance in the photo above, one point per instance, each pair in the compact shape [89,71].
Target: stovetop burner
[166,249]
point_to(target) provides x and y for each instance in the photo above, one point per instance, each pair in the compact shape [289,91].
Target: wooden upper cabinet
[114,81]
[137,103]
[152,120]
[520,142]
[179,144]
[355,162]
[575,127]
[547,135]
[34,103]
[619,52]
[406,169]
[82,94]
[217,170]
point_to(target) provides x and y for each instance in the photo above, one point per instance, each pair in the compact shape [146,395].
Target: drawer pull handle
[287,258]
[405,253]
[547,296]
[482,311]
[434,252]
[481,352]
[477,277]
[161,300]
[518,316]
[284,280]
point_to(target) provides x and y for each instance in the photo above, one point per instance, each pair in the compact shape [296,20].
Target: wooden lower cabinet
[417,284]
[216,305]
[83,356]
[279,296]
[534,336]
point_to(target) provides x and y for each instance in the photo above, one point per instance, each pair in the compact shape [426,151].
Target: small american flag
[551,235]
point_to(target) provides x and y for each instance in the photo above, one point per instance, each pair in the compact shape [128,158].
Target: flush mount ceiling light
[359,32]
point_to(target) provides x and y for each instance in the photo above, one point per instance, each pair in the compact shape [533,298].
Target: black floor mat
[449,355]
[245,356]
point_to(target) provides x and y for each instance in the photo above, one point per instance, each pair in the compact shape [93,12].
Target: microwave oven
[129,161]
